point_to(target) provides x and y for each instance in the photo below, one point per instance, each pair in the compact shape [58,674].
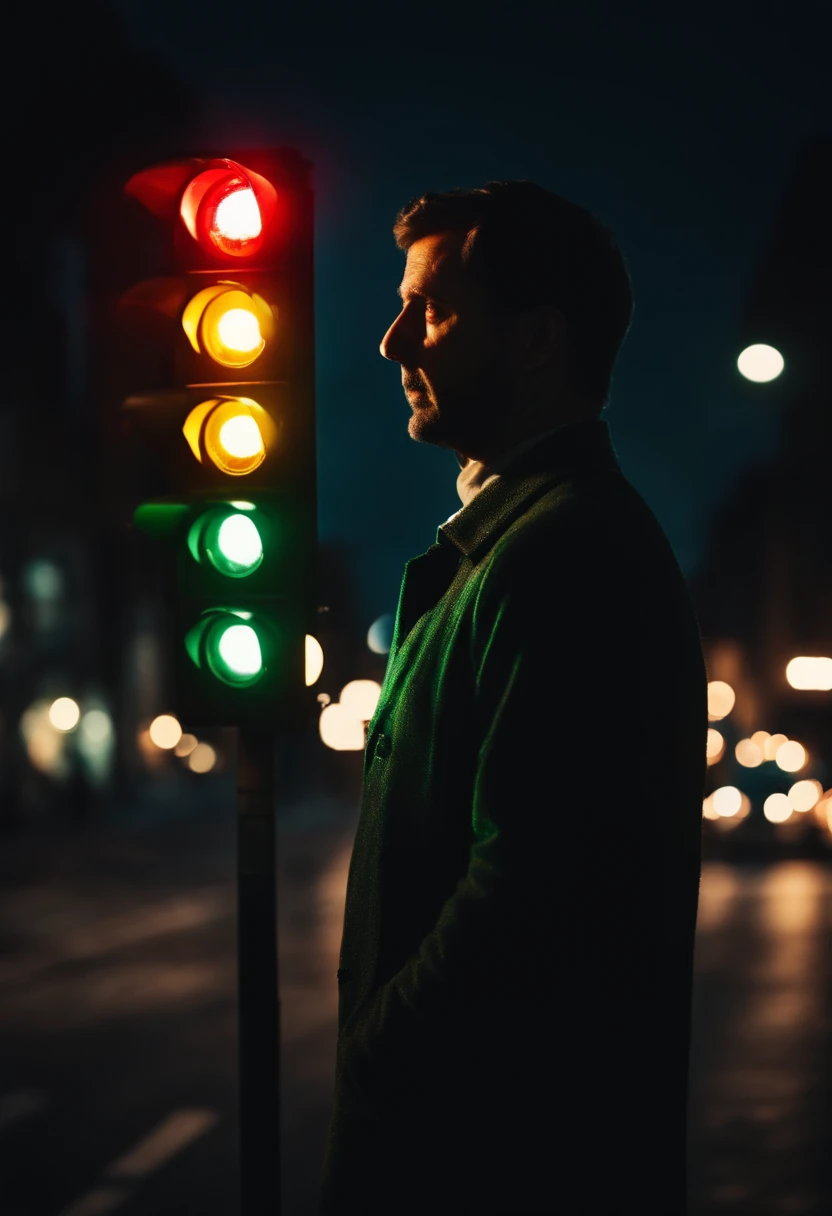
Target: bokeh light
[777,808]
[804,794]
[708,810]
[185,745]
[772,743]
[748,753]
[64,713]
[721,698]
[810,672]
[380,634]
[314,660]
[96,725]
[761,738]
[340,728]
[791,756]
[760,363]
[715,747]
[165,731]
[727,800]
[360,698]
[202,759]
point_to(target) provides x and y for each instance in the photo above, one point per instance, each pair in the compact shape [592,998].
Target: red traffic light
[226,208]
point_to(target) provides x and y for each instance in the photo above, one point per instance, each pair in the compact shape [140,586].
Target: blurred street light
[760,363]
[777,808]
[727,800]
[748,753]
[790,756]
[64,713]
[165,731]
[804,794]
[808,672]
[715,747]
[314,660]
[771,745]
[721,698]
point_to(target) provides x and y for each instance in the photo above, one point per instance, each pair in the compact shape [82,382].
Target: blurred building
[764,593]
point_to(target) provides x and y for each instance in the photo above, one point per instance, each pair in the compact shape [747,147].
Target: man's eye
[433,309]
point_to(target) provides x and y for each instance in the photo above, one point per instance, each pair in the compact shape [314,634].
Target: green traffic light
[240,544]
[225,644]
[238,651]
[231,543]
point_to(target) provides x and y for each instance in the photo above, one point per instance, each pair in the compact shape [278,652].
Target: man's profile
[516,962]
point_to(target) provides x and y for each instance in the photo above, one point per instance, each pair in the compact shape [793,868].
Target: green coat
[515,973]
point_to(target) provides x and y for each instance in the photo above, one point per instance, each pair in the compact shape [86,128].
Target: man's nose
[394,343]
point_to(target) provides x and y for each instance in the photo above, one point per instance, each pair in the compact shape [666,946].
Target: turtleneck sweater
[475,475]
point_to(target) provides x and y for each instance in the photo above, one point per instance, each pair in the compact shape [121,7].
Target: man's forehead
[434,263]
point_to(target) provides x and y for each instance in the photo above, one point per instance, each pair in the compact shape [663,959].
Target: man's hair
[527,246]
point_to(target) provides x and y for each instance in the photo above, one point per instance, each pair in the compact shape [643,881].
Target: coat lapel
[426,579]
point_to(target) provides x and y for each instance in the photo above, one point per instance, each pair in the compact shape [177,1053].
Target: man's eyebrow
[418,295]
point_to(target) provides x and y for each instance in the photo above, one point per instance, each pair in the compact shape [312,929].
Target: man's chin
[426,427]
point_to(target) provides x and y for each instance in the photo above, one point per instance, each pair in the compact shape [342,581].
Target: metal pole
[257,988]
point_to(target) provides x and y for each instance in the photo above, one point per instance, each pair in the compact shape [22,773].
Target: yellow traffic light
[234,433]
[229,323]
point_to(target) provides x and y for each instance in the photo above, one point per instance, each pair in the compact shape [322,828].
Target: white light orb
[777,808]
[314,659]
[96,725]
[760,363]
[340,729]
[804,794]
[748,754]
[360,697]
[790,756]
[202,759]
[772,743]
[165,731]
[810,672]
[727,800]
[715,746]
[64,714]
[721,699]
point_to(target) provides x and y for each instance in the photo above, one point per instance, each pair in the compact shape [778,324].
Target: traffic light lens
[238,331]
[229,323]
[240,437]
[237,218]
[238,652]
[239,543]
[233,433]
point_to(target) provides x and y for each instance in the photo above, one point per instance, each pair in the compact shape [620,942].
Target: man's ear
[540,336]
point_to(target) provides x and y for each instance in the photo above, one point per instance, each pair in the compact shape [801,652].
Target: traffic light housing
[230,319]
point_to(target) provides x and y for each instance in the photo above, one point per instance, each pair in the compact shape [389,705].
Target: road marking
[96,1203]
[127,929]
[172,1135]
[19,1104]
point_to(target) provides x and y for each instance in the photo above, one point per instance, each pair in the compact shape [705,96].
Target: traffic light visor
[226,208]
[233,433]
[229,323]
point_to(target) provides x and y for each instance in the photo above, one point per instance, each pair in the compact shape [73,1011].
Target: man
[516,962]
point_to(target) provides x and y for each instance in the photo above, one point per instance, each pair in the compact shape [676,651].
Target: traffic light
[230,323]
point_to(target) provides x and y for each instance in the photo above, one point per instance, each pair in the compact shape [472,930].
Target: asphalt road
[118,1023]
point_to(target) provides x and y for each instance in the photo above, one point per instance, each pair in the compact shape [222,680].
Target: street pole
[257,984]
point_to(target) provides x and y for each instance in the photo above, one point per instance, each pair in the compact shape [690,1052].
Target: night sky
[680,133]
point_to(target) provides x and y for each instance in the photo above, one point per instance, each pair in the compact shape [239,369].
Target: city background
[705,145]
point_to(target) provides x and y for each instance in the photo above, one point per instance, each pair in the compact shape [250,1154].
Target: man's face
[456,372]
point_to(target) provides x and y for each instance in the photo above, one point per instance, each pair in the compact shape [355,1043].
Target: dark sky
[680,133]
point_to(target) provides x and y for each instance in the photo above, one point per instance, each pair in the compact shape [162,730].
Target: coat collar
[576,447]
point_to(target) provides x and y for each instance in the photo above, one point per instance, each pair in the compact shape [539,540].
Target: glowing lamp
[226,643]
[228,541]
[227,208]
[233,433]
[228,323]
